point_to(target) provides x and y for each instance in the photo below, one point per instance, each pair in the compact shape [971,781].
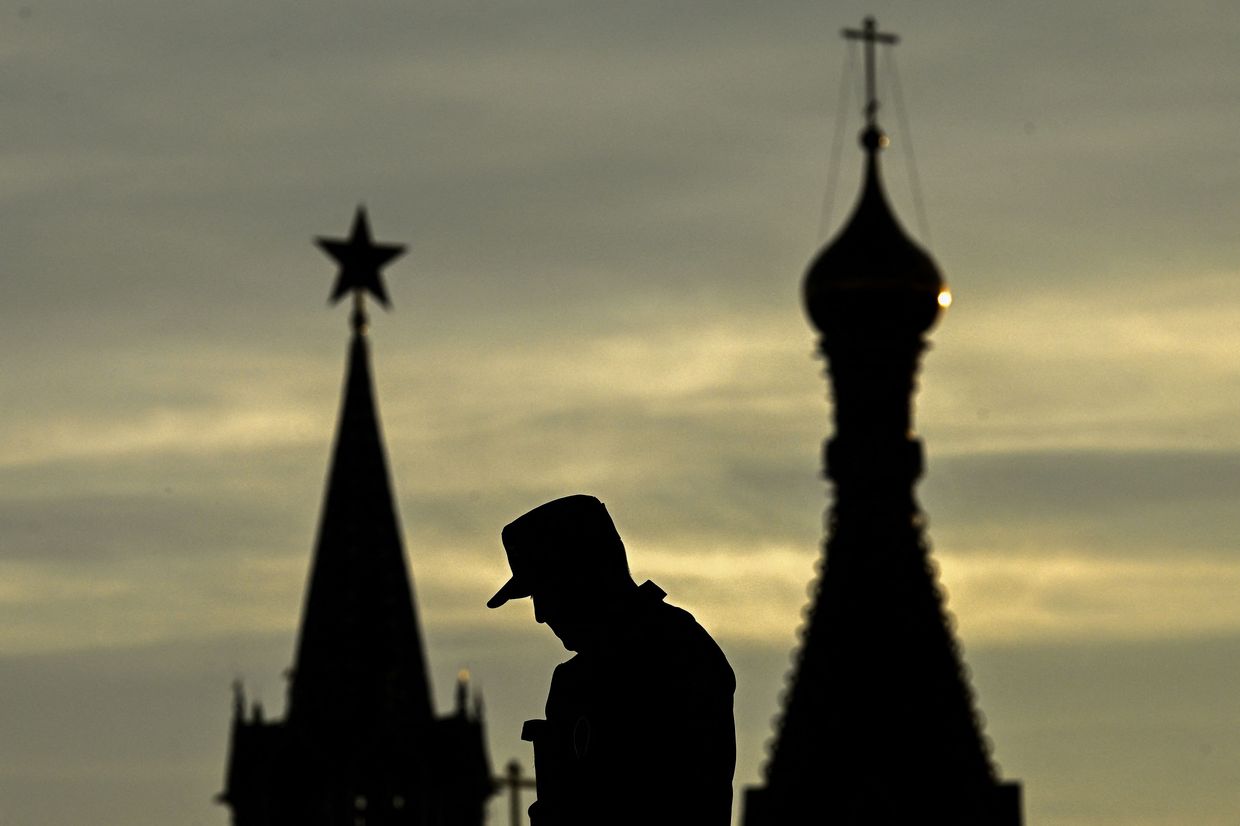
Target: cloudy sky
[609,208]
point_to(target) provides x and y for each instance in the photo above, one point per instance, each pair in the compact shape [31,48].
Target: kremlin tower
[360,744]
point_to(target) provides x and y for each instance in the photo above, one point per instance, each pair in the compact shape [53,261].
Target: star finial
[360,260]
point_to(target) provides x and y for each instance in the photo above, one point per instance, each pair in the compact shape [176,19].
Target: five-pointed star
[360,260]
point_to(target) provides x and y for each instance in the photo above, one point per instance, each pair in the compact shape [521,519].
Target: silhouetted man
[639,726]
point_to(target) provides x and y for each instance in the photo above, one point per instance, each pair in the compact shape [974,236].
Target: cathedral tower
[879,724]
[360,743]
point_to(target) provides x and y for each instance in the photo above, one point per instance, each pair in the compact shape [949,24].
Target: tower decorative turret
[879,724]
[360,742]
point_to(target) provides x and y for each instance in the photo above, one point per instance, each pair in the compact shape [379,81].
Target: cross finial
[515,783]
[870,34]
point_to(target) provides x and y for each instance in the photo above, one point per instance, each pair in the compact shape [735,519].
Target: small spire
[238,690]
[361,261]
[462,690]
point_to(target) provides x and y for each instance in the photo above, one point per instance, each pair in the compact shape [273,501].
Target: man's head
[567,556]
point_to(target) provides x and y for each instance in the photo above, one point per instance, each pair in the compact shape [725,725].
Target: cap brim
[513,589]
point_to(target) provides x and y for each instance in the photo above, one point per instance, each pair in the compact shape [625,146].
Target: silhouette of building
[360,742]
[879,724]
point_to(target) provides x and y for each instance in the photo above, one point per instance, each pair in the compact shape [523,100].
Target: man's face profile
[559,611]
[568,558]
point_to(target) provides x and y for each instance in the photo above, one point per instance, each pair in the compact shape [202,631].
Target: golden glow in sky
[609,207]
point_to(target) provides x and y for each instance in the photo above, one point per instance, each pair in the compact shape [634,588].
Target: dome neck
[873,200]
[872,215]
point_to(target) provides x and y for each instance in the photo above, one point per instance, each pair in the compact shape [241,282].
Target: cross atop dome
[361,261]
[873,282]
[870,35]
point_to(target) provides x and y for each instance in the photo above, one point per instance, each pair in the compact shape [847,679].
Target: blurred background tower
[360,742]
[879,724]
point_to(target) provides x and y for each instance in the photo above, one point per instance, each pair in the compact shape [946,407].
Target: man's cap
[568,541]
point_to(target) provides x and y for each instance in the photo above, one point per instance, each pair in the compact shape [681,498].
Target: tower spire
[360,662]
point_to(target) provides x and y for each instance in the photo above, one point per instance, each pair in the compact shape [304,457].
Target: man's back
[640,729]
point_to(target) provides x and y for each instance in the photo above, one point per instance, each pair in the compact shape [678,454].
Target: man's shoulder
[674,634]
[675,625]
[664,617]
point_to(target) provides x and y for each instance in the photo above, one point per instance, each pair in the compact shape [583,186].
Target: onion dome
[872,281]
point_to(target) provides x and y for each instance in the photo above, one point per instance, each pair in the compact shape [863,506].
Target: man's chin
[567,638]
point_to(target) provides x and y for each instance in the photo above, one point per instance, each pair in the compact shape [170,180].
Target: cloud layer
[609,207]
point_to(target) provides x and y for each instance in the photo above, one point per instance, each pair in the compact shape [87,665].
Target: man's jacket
[640,731]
